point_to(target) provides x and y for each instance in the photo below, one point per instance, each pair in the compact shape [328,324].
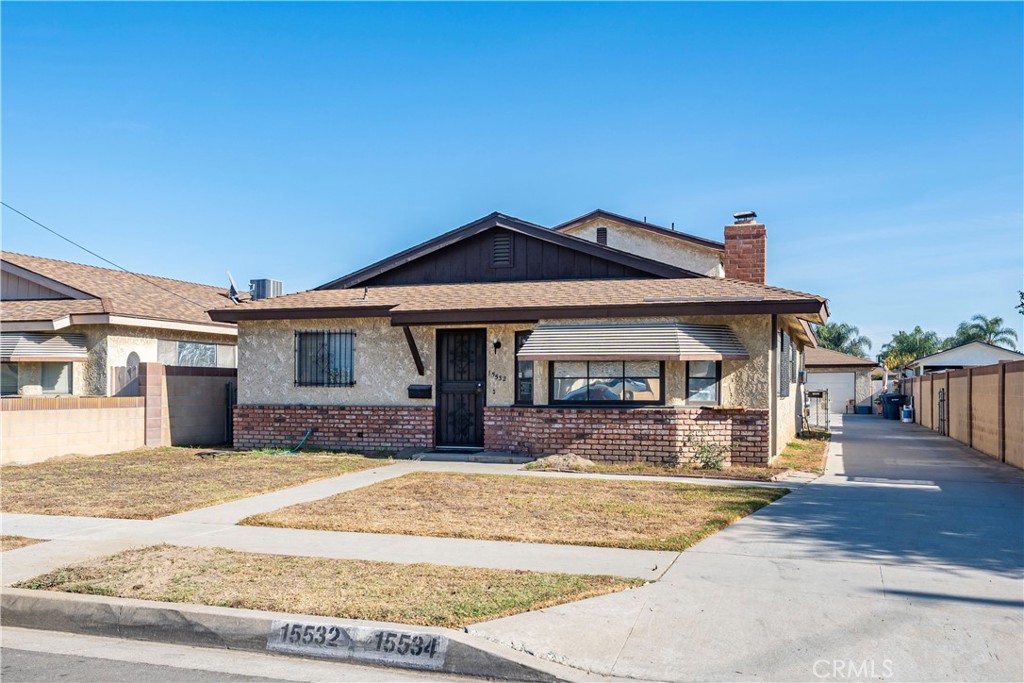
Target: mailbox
[420,391]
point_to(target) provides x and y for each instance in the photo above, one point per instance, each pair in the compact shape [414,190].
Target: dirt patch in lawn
[805,453]
[150,483]
[622,514]
[733,472]
[425,594]
[15,542]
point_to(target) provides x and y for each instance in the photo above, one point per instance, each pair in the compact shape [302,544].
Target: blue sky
[880,143]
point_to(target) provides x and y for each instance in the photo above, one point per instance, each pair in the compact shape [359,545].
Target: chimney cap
[745,216]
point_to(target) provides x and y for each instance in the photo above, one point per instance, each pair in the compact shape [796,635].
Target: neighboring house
[969,355]
[606,337]
[72,329]
[847,378]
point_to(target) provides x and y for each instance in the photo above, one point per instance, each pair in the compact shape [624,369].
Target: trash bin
[891,404]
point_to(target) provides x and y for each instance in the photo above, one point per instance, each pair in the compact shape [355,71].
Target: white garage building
[847,378]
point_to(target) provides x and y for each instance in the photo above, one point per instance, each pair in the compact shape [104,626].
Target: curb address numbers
[402,648]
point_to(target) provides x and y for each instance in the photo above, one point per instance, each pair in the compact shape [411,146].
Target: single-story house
[75,330]
[969,355]
[606,337]
[847,378]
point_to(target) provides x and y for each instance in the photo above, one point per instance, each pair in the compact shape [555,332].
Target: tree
[843,338]
[988,330]
[906,346]
[1020,306]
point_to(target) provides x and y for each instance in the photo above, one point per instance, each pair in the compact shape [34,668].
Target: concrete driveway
[904,562]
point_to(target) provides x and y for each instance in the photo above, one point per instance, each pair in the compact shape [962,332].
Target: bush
[706,453]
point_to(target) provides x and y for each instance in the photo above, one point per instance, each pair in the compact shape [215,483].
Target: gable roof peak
[643,225]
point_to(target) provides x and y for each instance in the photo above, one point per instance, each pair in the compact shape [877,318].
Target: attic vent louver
[602,235]
[501,250]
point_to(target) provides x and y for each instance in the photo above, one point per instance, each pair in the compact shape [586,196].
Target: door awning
[642,341]
[29,347]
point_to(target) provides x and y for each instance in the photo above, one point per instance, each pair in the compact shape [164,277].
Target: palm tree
[906,346]
[991,331]
[843,338]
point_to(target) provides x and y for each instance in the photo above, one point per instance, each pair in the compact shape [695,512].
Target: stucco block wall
[984,407]
[35,435]
[366,429]
[654,435]
[673,251]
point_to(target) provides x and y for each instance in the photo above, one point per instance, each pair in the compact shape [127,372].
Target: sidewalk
[907,558]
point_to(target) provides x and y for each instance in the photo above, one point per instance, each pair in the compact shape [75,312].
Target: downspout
[773,399]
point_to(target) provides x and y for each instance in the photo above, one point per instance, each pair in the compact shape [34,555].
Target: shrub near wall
[365,429]
[654,435]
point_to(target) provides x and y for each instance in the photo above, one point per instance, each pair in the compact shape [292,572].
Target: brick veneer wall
[655,435]
[358,428]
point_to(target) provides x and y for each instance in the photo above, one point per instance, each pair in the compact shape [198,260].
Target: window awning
[29,347]
[650,341]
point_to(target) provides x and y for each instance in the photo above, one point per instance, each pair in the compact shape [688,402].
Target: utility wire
[105,260]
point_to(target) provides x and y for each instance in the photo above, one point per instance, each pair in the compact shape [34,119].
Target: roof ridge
[4,253]
[671,232]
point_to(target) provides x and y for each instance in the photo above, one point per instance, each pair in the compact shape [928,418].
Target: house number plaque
[389,646]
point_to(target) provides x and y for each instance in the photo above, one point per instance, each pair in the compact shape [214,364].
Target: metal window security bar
[324,358]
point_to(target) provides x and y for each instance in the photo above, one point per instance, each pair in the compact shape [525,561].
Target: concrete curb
[243,629]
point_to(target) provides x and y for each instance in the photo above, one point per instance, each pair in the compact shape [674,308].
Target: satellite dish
[233,289]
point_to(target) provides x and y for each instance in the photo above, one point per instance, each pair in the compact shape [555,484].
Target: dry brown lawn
[805,454]
[733,472]
[621,514]
[15,542]
[150,483]
[425,594]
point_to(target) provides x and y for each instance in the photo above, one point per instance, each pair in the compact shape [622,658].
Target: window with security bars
[324,359]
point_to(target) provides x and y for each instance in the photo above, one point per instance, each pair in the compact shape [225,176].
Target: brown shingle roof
[641,296]
[819,357]
[116,292]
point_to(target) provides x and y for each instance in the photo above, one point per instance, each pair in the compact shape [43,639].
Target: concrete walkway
[904,562]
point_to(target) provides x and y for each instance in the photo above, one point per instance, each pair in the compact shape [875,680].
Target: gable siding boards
[17,288]
[470,260]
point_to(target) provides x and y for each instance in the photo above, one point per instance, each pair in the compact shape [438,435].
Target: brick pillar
[153,388]
[746,252]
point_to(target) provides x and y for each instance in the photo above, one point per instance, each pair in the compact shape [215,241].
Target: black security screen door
[461,381]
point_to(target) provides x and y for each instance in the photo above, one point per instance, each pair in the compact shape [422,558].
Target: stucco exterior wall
[653,246]
[384,366]
[109,346]
[787,411]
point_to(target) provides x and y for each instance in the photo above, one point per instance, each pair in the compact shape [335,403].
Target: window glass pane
[9,378]
[702,368]
[573,389]
[569,369]
[643,368]
[196,355]
[605,368]
[524,372]
[703,389]
[56,378]
[642,389]
[605,389]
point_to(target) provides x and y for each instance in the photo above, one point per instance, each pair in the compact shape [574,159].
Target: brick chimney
[746,249]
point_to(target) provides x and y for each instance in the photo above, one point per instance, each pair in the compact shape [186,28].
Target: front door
[461,382]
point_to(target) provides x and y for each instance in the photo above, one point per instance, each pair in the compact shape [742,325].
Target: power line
[105,260]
